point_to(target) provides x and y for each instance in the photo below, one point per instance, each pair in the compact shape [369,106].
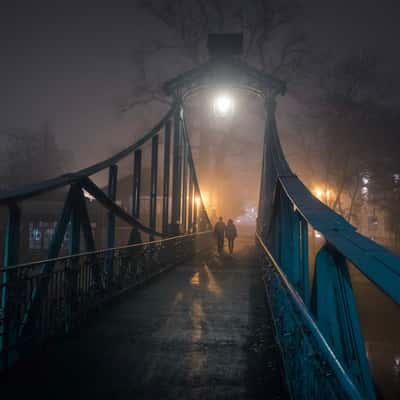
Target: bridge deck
[201,331]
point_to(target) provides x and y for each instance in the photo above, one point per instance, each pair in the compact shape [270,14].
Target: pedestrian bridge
[164,317]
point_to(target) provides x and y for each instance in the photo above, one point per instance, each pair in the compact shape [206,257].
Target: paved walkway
[201,331]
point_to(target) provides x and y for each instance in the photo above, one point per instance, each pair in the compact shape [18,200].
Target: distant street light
[223,105]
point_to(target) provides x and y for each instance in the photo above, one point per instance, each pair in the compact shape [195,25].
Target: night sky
[72,65]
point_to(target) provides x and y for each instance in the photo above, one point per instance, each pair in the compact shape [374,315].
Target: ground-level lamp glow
[223,105]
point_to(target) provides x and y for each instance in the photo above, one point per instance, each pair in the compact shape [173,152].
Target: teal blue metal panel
[334,307]
[304,261]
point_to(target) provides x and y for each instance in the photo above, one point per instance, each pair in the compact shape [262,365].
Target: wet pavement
[200,331]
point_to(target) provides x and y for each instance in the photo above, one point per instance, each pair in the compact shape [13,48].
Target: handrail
[66,179]
[97,252]
[326,350]
[373,260]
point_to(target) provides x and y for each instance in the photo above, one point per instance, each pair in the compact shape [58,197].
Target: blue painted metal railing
[76,284]
[311,365]
[325,324]
[188,215]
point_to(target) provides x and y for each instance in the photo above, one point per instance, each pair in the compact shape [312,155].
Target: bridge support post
[335,310]
[177,172]
[184,187]
[304,268]
[112,193]
[137,173]
[11,248]
[73,264]
[195,211]
[167,156]
[153,184]
[190,198]
[289,239]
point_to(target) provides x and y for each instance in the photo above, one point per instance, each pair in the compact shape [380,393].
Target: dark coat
[219,229]
[230,231]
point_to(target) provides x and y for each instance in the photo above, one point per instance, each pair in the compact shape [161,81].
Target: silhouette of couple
[221,231]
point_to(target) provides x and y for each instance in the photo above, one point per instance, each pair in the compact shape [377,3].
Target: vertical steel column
[184,186]
[177,173]
[167,157]
[190,209]
[11,241]
[137,172]
[112,193]
[304,260]
[74,229]
[153,184]
[11,250]
[73,264]
[195,211]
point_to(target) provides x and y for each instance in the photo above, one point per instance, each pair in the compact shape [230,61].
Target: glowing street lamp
[223,105]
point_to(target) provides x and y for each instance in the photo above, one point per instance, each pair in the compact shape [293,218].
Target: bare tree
[271,40]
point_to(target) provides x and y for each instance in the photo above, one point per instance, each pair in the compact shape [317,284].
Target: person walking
[231,233]
[219,231]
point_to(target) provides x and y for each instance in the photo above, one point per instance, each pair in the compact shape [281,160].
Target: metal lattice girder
[335,310]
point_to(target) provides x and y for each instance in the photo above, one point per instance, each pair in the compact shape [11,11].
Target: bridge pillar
[177,173]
